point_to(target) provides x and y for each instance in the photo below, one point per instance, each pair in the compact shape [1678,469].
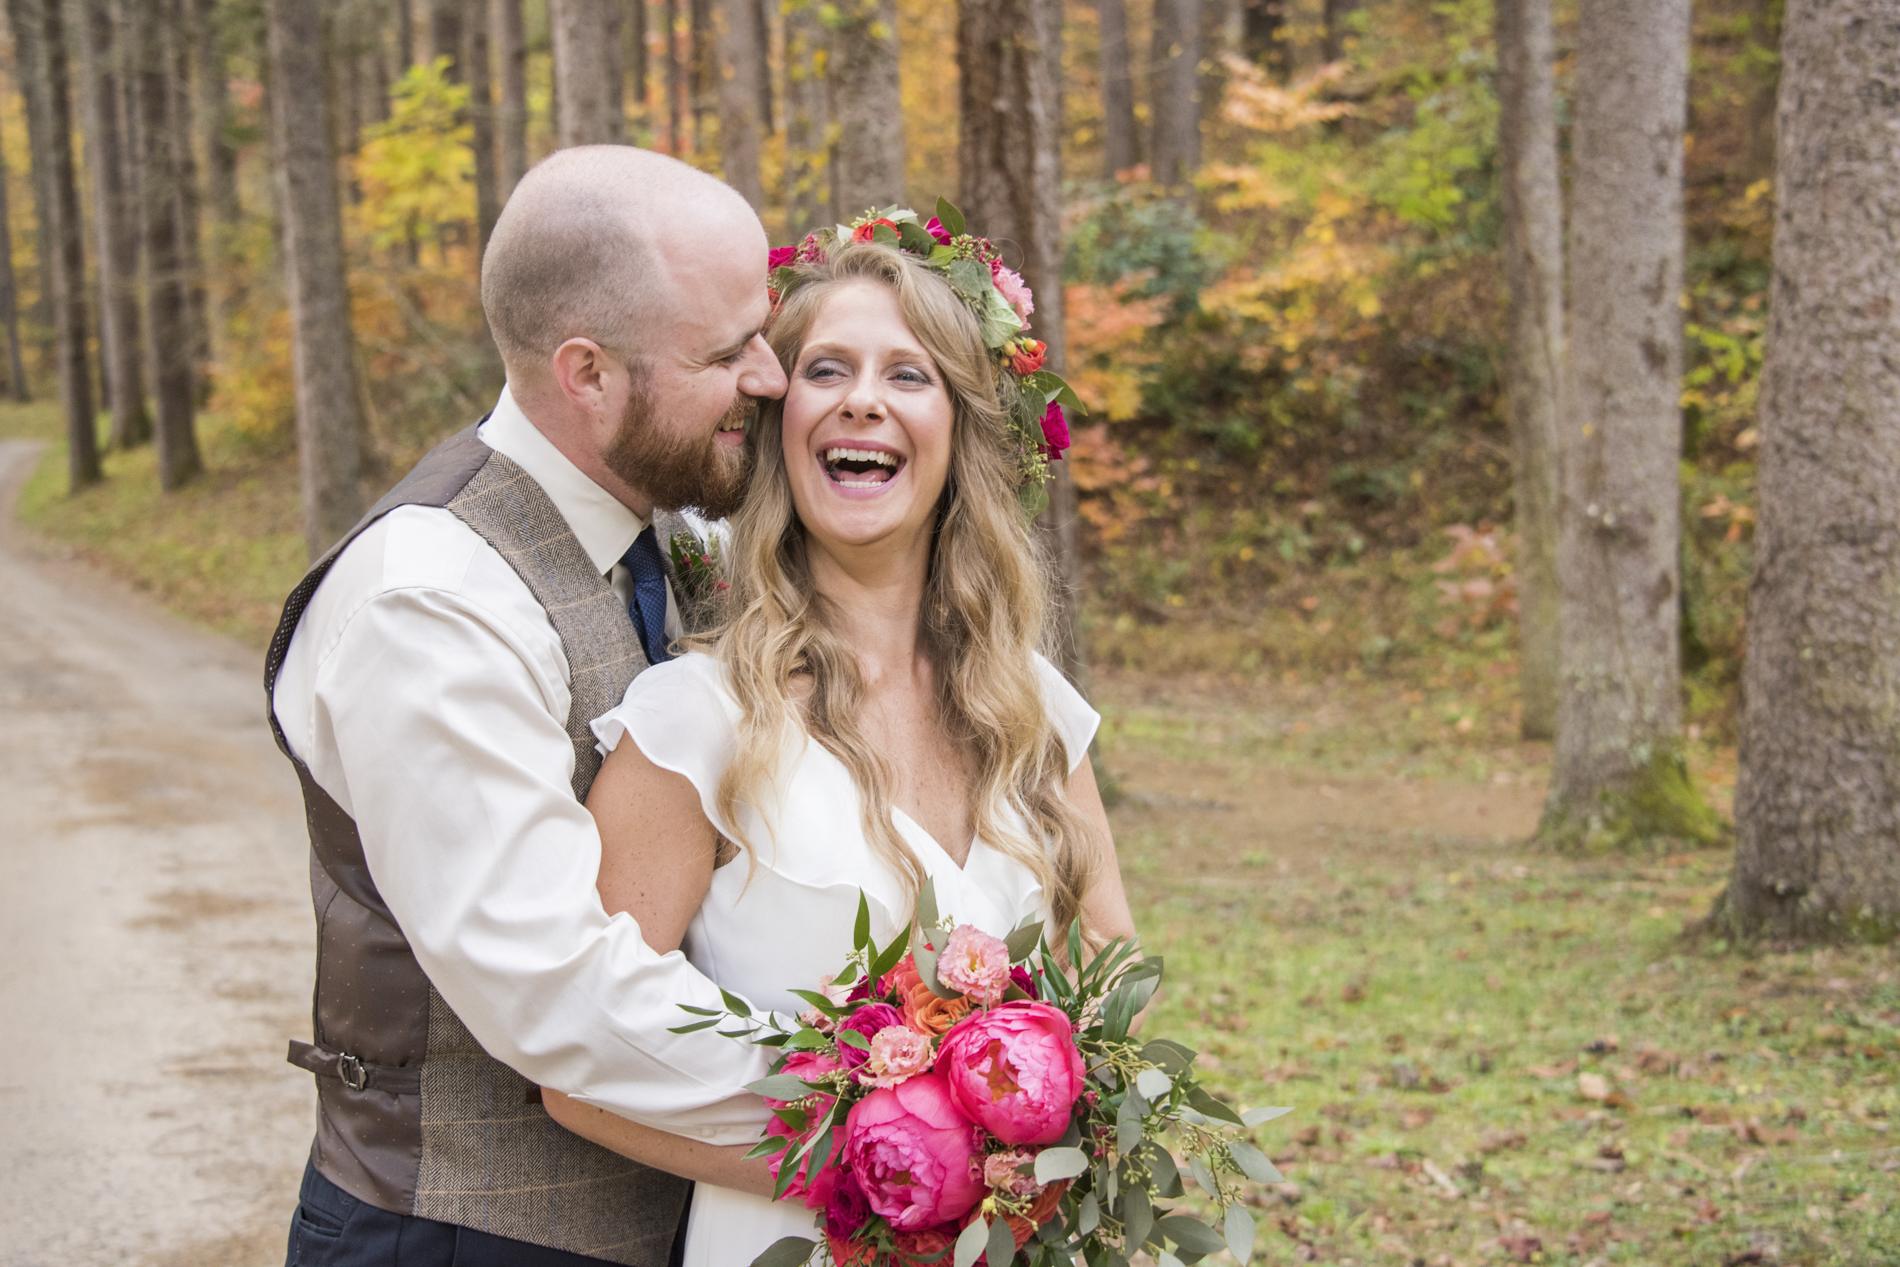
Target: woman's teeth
[860,468]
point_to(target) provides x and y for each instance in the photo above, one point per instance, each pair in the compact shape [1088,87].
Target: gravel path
[155,930]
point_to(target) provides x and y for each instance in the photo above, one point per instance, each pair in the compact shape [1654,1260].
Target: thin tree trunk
[617,65]
[512,37]
[40,37]
[214,118]
[587,94]
[115,223]
[322,362]
[31,69]
[445,35]
[9,300]
[380,81]
[1260,25]
[701,66]
[1009,66]
[167,311]
[405,37]
[865,108]
[1176,95]
[675,85]
[1118,90]
[762,36]
[1337,27]
[635,55]
[481,106]
[1758,160]
[179,127]
[1817,804]
[807,180]
[1619,775]
[741,62]
[1533,267]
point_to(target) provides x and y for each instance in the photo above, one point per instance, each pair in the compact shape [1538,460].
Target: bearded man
[432,681]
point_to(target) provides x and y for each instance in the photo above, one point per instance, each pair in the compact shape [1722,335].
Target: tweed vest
[413,1116]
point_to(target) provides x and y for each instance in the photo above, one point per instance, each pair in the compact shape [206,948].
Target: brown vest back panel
[414,1117]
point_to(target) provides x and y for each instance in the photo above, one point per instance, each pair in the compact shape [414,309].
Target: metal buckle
[351,1070]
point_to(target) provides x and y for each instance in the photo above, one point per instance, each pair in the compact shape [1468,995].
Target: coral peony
[975,963]
[1014,290]
[1055,432]
[867,1021]
[1024,1225]
[930,1015]
[1029,357]
[1014,1070]
[780,256]
[868,230]
[911,1151]
[926,1245]
[846,1253]
[897,1052]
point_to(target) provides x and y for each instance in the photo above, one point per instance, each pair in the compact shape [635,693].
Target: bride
[873,712]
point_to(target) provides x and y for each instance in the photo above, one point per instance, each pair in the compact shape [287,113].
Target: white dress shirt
[427,692]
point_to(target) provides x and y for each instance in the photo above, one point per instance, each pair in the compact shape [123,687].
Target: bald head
[594,243]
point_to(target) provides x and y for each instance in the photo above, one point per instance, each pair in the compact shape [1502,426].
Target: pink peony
[1014,1070]
[934,227]
[911,1151]
[867,1021]
[779,256]
[897,1052]
[1055,432]
[1014,290]
[976,964]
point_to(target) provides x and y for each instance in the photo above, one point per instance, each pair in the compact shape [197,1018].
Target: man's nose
[760,374]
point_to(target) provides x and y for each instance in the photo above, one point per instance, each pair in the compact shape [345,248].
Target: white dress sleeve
[683,719]
[1074,720]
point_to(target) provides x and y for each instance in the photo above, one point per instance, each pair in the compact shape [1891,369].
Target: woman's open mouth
[861,468]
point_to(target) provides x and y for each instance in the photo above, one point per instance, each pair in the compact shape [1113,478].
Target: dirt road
[155,931]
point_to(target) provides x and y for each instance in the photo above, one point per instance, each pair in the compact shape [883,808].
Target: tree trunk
[481,109]
[1758,160]
[116,224]
[405,37]
[589,98]
[1533,268]
[1009,151]
[179,128]
[1817,805]
[864,107]
[39,32]
[445,35]
[762,38]
[1619,775]
[9,300]
[1176,107]
[1260,25]
[511,35]
[167,313]
[635,54]
[807,180]
[741,63]
[675,87]
[702,65]
[1118,90]
[1337,30]
[214,115]
[30,66]
[321,348]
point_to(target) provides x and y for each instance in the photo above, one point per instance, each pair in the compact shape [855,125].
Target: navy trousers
[334,1229]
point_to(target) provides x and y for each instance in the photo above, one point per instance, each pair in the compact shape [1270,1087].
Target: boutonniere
[696,565]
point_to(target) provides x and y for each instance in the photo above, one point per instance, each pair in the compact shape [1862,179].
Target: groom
[432,681]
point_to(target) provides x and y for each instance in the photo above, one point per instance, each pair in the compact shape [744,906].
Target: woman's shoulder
[1073,717]
[685,699]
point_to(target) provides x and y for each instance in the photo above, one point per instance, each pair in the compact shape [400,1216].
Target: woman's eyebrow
[835,349]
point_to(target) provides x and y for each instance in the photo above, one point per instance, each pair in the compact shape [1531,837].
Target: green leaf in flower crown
[913,237]
[949,216]
[970,278]
[788,1251]
[999,321]
[1034,499]
[1054,387]
[1022,943]
[884,235]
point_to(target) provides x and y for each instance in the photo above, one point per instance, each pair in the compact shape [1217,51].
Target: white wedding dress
[786,921]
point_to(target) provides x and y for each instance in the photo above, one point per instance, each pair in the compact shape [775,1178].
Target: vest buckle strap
[354,1072]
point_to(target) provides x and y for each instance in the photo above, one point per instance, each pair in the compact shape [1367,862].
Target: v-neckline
[961,867]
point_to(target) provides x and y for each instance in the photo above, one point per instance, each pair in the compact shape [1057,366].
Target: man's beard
[676,472]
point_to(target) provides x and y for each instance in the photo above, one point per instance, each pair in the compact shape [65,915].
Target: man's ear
[580,368]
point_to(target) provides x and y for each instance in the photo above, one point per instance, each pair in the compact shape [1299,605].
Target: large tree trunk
[589,99]
[741,64]
[481,110]
[39,32]
[167,311]
[807,182]
[179,127]
[865,109]
[1817,806]
[1118,90]
[1176,98]
[17,389]
[1533,268]
[1619,775]
[511,35]
[321,353]
[1009,151]
[115,223]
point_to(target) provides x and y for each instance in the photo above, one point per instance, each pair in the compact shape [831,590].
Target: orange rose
[866,231]
[1030,355]
[928,1014]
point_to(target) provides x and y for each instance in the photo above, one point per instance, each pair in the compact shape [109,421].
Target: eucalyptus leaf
[1088,1215]
[1253,1163]
[1171,1056]
[1203,1176]
[1239,1228]
[1165,1259]
[1138,1217]
[927,916]
[1023,942]
[1153,1084]
[1161,1164]
[1254,1117]
[971,1244]
[1191,1234]
[1002,1244]
[787,1251]
[1060,1163]
[1200,1099]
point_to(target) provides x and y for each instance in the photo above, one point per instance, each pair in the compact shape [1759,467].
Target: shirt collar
[601,522]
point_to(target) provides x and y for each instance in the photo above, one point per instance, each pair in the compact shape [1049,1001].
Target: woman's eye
[908,375]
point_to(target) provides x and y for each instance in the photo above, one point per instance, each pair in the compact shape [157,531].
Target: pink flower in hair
[1014,290]
[1055,432]
[779,256]
[935,229]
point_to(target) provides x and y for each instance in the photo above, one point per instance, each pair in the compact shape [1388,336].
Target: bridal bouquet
[955,1098]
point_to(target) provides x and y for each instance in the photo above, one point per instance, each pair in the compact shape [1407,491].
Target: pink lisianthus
[934,227]
[867,1020]
[911,1151]
[898,1052]
[1014,290]
[976,964]
[1014,1070]
[1055,432]
[780,256]
[1003,1171]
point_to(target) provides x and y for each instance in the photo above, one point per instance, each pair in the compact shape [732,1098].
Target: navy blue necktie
[648,605]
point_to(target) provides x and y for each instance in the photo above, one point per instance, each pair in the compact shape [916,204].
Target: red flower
[1055,432]
[779,256]
[865,231]
[1030,355]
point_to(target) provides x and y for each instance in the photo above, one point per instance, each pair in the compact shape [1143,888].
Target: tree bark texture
[180,127]
[321,350]
[865,109]
[1009,65]
[39,31]
[481,113]
[1533,231]
[589,96]
[762,11]
[17,389]
[1118,89]
[634,40]
[167,312]
[115,224]
[1817,805]
[445,35]
[741,64]
[30,64]
[1176,94]
[1619,775]
[511,35]
[807,154]
[214,114]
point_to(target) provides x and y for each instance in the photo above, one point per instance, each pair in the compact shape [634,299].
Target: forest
[1428,442]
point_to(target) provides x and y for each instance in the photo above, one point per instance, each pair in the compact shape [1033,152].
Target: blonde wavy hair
[985,607]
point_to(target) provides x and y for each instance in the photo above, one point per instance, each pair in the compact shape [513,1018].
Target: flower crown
[1032,396]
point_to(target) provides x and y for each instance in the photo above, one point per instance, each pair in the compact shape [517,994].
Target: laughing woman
[875,710]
